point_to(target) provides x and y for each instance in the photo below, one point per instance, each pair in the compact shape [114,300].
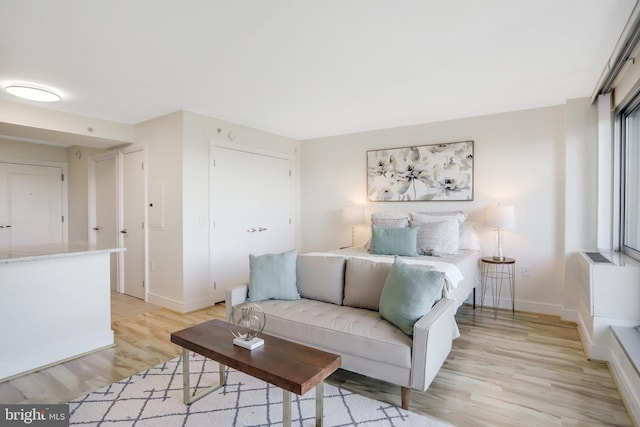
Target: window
[630,178]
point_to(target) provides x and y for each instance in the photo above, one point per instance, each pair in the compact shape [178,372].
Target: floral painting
[427,172]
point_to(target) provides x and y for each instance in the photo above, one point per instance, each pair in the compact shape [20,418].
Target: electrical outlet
[526,271]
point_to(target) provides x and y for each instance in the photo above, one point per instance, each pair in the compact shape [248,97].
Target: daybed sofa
[342,304]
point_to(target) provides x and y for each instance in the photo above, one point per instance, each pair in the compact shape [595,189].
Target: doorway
[249,215]
[117,215]
[32,204]
[103,207]
[132,232]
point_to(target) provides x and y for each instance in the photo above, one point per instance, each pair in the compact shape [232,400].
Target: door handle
[262,229]
[124,231]
[251,230]
[96,228]
[5,226]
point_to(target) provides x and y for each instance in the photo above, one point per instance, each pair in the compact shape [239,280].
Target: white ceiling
[308,68]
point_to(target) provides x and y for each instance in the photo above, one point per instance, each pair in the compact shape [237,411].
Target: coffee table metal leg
[185,377]
[186,388]
[286,408]
[319,403]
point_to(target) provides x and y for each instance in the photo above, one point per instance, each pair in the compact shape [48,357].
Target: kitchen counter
[29,253]
[55,304]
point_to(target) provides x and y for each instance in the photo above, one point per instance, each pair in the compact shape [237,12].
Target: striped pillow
[432,237]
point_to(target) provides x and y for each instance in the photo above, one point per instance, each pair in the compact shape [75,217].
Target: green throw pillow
[409,293]
[401,241]
[273,276]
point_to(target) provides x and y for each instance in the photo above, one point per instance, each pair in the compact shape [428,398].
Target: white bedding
[462,271]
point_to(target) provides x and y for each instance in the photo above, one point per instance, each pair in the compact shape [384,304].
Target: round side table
[495,272]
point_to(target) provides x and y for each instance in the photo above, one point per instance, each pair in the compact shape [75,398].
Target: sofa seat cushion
[345,330]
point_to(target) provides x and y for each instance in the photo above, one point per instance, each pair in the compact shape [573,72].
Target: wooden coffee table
[292,367]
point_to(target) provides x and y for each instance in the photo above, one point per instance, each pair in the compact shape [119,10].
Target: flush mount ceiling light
[33,93]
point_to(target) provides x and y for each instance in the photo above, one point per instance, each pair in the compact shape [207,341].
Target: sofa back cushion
[321,278]
[363,283]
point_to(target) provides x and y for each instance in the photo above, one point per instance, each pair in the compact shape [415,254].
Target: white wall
[199,133]
[580,180]
[26,121]
[178,157]
[18,150]
[177,147]
[162,139]
[519,160]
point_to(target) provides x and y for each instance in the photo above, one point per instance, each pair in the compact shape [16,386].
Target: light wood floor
[524,371]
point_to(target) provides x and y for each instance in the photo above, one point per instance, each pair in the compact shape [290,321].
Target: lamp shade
[501,216]
[353,215]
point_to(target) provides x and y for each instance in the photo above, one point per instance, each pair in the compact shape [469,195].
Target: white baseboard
[570,315]
[179,306]
[538,307]
[585,337]
[197,304]
[532,307]
[592,350]
[163,301]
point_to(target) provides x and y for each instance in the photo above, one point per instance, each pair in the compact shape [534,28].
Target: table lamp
[499,217]
[353,215]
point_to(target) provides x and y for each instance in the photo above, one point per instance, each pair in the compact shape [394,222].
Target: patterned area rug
[154,398]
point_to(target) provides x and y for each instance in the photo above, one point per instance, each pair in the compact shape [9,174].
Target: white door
[31,205]
[104,208]
[251,205]
[133,218]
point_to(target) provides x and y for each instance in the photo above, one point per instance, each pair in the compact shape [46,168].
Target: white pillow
[459,215]
[390,219]
[468,237]
[451,231]
[431,237]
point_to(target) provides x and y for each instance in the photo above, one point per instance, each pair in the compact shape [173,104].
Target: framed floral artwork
[427,172]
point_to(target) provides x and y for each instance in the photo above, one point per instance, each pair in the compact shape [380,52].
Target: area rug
[154,398]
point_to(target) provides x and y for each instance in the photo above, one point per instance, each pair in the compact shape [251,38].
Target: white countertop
[10,254]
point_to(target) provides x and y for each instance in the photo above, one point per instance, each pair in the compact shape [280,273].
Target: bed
[443,240]
[462,269]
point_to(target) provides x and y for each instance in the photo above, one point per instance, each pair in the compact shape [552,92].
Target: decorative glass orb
[246,322]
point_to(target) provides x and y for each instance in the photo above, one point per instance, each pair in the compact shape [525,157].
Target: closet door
[251,213]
